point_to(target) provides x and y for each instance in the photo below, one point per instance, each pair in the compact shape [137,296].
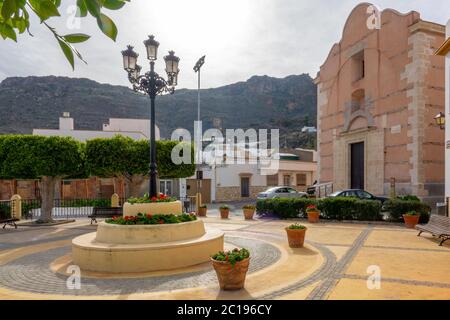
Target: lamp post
[199,176]
[151,84]
[440,120]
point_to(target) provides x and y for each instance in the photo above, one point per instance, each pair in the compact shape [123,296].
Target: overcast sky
[240,38]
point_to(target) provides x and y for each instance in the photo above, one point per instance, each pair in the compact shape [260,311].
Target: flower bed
[150,219]
[147,199]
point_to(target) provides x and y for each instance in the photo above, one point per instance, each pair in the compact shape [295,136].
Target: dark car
[357,193]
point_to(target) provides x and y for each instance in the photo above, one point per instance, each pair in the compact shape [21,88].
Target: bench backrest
[440,221]
[106,210]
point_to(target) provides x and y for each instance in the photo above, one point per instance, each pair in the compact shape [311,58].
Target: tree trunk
[135,185]
[47,196]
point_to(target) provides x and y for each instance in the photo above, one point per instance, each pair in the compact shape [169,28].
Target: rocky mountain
[261,102]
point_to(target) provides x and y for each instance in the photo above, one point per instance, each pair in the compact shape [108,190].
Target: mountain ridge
[289,103]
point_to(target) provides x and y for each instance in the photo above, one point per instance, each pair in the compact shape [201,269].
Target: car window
[336,194]
[290,190]
[281,190]
[350,194]
[364,195]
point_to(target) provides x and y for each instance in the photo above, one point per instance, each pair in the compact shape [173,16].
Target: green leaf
[93,7]
[107,26]
[67,50]
[82,8]
[113,4]
[8,9]
[44,9]
[6,31]
[76,37]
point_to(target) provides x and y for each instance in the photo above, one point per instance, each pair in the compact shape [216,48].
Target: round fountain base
[91,255]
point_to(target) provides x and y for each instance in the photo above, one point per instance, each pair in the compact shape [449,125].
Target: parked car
[357,193]
[281,192]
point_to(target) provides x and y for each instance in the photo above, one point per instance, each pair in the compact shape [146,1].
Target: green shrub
[296,227]
[409,198]
[284,208]
[232,257]
[397,208]
[367,210]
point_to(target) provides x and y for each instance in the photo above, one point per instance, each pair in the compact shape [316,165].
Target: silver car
[281,192]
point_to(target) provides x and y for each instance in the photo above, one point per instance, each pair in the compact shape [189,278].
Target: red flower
[149,216]
[311,206]
[161,221]
[226,258]
[154,199]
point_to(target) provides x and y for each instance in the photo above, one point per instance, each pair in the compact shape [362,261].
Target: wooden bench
[104,212]
[11,222]
[438,226]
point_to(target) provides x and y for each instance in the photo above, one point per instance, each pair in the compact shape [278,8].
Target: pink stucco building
[378,92]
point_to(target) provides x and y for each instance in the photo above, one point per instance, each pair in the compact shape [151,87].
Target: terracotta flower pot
[296,237]
[231,277]
[313,216]
[224,213]
[411,221]
[202,212]
[249,213]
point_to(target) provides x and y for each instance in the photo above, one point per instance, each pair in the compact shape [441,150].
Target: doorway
[357,166]
[245,187]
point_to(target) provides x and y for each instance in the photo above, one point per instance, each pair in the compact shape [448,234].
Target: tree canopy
[32,157]
[124,156]
[15,18]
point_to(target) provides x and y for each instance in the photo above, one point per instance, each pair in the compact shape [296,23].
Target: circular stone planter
[91,255]
[145,248]
[139,234]
[133,209]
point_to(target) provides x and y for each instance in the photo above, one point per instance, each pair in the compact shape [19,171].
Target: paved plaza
[333,265]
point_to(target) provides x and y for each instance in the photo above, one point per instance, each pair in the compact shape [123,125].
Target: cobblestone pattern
[321,291]
[32,274]
[401,281]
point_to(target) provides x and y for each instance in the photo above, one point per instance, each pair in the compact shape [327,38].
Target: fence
[6,209]
[79,208]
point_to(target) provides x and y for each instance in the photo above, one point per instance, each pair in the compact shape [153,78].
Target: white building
[444,50]
[134,128]
[241,181]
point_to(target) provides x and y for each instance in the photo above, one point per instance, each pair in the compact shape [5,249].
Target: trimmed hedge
[398,207]
[344,208]
[331,208]
[287,208]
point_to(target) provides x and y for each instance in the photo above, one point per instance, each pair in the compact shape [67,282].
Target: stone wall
[224,194]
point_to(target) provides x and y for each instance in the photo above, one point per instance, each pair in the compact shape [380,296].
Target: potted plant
[411,219]
[224,211]
[202,210]
[231,268]
[313,213]
[249,211]
[296,235]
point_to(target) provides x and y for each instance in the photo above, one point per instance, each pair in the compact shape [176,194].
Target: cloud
[241,38]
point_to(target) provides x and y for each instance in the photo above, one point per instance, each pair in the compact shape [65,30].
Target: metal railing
[321,190]
[79,208]
[6,209]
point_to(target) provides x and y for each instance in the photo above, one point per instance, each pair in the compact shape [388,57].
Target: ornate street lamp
[151,84]
[440,120]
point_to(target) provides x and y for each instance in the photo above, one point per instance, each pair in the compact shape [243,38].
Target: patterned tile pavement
[266,240]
